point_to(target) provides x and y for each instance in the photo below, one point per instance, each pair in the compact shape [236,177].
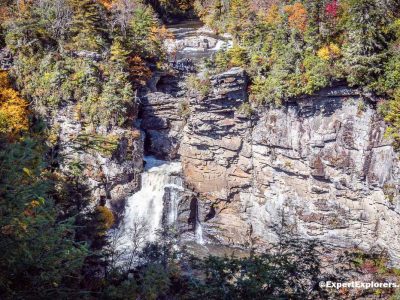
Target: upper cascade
[192,42]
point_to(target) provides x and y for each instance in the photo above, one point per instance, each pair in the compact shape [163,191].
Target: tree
[87,25]
[122,14]
[115,100]
[391,113]
[365,50]
[332,9]
[239,19]
[13,109]
[172,8]
[119,52]
[139,72]
[297,16]
[56,17]
[40,258]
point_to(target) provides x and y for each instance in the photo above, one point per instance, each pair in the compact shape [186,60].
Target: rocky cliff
[161,113]
[320,166]
[109,160]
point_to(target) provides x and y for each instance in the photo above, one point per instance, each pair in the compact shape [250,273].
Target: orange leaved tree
[13,109]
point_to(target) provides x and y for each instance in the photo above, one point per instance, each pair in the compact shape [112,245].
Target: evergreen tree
[116,97]
[87,25]
[240,19]
[39,256]
[119,52]
[365,51]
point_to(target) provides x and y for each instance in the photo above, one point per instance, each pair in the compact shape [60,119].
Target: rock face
[164,103]
[111,160]
[214,138]
[6,59]
[162,115]
[320,167]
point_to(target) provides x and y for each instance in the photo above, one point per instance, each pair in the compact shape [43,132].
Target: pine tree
[239,19]
[87,25]
[119,52]
[365,51]
[39,255]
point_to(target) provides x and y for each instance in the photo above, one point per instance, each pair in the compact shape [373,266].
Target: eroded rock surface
[162,115]
[111,160]
[164,103]
[320,167]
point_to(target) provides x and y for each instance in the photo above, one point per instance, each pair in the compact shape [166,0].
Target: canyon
[237,175]
[320,166]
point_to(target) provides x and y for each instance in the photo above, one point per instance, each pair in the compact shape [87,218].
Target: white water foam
[144,210]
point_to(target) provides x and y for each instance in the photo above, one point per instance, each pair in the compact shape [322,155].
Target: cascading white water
[144,210]
[199,233]
[175,186]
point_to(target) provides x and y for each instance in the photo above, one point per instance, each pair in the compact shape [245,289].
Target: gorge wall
[320,167]
[110,160]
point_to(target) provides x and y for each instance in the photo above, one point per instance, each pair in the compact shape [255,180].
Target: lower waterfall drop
[144,210]
[199,234]
[198,228]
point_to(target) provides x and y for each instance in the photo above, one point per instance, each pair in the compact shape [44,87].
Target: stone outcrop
[214,137]
[111,160]
[162,115]
[164,103]
[6,59]
[320,167]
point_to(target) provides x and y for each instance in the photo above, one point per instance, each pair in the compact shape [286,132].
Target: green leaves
[38,251]
[298,47]
[289,269]
[87,26]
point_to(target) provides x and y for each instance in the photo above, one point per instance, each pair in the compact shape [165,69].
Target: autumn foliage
[107,3]
[297,16]
[329,52]
[138,70]
[105,218]
[13,109]
[273,17]
[331,9]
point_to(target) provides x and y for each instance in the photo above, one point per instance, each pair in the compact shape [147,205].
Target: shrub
[237,56]
[329,52]
[199,84]
[391,113]
[105,218]
[246,109]
[184,109]
[222,60]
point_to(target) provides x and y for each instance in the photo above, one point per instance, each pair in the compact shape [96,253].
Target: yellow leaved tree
[329,52]
[13,109]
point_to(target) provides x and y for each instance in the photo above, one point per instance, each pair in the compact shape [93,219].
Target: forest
[97,55]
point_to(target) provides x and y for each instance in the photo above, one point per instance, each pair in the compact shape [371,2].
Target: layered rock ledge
[320,167]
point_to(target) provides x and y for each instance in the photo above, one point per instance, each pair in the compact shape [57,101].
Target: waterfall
[174,188]
[199,233]
[144,210]
[198,228]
